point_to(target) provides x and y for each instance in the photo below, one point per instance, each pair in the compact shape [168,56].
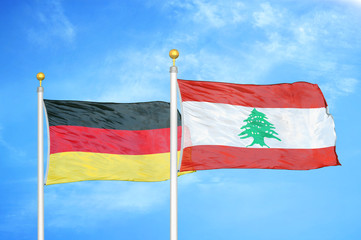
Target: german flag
[108,141]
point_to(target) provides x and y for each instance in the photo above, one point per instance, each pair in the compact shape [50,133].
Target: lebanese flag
[281,126]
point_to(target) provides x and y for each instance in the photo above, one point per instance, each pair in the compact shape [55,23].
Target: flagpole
[173,148]
[40,76]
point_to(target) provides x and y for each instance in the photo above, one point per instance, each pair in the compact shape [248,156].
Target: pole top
[173,54]
[40,76]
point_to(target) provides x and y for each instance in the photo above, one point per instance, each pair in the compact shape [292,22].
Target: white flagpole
[40,76]
[173,148]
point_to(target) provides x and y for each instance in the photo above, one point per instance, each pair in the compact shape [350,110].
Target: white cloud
[52,24]
[14,151]
[135,76]
[207,65]
[306,41]
[85,204]
[242,197]
[18,221]
[353,2]
[268,16]
[214,14]
[338,87]
[311,41]
[188,179]
[347,85]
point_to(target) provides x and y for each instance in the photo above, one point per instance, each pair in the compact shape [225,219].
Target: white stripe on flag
[219,124]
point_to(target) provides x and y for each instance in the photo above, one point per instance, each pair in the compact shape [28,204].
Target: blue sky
[118,51]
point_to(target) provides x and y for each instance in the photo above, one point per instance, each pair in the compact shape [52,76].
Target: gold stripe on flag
[81,166]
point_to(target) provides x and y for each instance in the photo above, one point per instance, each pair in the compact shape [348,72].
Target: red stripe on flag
[97,140]
[295,95]
[215,157]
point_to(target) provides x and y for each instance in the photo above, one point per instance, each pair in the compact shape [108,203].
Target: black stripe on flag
[120,116]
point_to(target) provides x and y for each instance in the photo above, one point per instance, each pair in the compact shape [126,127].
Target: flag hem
[182,124]
[48,133]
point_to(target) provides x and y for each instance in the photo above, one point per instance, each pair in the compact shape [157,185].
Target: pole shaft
[40,165]
[173,155]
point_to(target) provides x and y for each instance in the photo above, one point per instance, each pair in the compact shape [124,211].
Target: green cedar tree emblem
[258,128]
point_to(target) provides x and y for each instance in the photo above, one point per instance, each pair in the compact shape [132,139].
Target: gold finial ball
[173,53]
[40,76]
